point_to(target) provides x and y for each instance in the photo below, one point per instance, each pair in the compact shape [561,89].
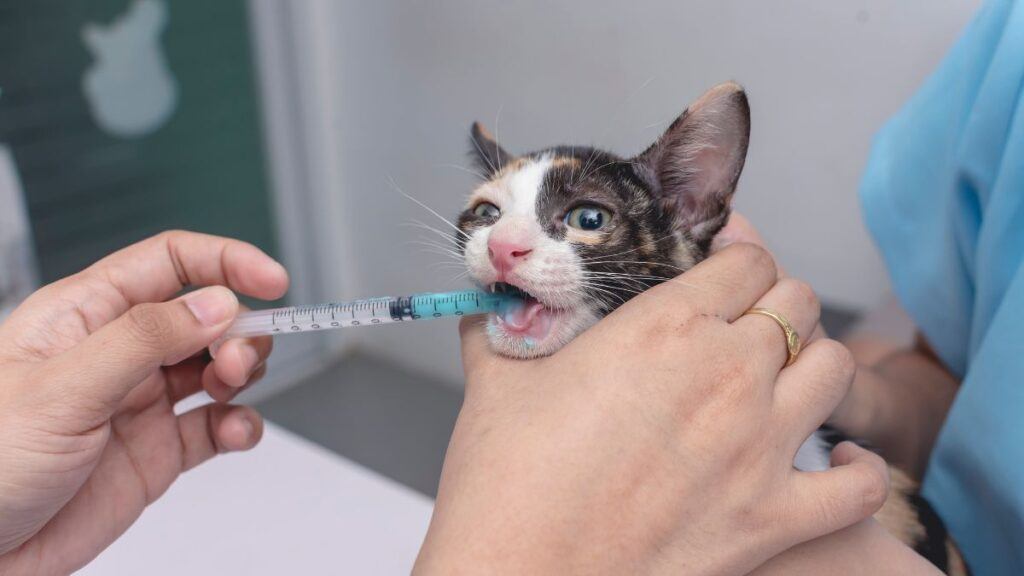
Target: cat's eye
[588,217]
[486,210]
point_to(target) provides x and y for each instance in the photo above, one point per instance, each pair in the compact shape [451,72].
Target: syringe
[368,312]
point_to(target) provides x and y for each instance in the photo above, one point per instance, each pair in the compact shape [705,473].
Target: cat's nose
[506,255]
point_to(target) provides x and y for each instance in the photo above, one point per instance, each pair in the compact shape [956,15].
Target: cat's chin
[559,328]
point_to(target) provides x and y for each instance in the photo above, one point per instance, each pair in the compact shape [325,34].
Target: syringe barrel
[368,312]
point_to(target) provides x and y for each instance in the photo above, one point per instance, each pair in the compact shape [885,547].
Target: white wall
[821,76]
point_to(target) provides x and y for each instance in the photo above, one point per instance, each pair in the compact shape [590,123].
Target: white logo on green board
[129,87]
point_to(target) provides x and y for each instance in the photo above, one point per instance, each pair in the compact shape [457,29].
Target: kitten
[579,231]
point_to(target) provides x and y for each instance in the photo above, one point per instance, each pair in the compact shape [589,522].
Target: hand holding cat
[661,440]
[90,369]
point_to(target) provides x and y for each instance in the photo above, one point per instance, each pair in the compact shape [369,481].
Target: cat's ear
[694,166]
[489,156]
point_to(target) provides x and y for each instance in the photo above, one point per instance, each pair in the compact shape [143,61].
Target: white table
[287,507]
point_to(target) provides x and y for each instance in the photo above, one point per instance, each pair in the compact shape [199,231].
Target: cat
[577,231]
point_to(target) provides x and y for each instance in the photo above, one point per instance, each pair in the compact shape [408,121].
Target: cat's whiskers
[475,173]
[497,132]
[443,245]
[437,249]
[459,242]
[617,286]
[608,293]
[628,280]
[663,280]
[649,263]
[610,287]
[486,157]
[428,209]
[435,253]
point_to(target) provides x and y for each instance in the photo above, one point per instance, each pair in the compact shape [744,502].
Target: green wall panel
[90,189]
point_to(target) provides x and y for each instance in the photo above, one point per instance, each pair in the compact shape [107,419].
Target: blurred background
[294,125]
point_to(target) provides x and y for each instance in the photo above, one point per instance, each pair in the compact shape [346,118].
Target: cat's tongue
[528,318]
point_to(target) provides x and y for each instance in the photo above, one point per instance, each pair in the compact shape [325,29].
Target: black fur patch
[933,545]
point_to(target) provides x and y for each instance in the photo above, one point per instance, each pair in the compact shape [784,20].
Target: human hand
[90,369]
[900,395]
[660,440]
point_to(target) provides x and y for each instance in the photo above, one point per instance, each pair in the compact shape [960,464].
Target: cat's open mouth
[530,319]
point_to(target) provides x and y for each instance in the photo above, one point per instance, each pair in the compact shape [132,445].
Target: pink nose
[505,255]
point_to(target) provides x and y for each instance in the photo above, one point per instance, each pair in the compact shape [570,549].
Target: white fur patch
[524,186]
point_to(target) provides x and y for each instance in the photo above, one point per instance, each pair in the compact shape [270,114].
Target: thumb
[107,365]
[477,355]
[476,351]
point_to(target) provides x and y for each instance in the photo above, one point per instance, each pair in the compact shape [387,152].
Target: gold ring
[792,338]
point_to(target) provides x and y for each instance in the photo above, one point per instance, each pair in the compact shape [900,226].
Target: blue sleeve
[943,196]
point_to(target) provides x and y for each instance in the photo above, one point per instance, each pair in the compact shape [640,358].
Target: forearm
[898,403]
[864,548]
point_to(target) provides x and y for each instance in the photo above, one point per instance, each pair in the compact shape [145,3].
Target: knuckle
[804,293]
[756,256]
[169,236]
[150,323]
[839,358]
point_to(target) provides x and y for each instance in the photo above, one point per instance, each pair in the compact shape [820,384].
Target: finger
[795,301]
[185,379]
[238,358]
[477,355]
[739,229]
[725,285]
[476,349]
[807,392]
[168,262]
[222,392]
[217,428]
[157,268]
[818,334]
[104,367]
[853,489]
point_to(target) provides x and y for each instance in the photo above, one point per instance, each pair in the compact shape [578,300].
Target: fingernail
[212,306]
[249,358]
[249,429]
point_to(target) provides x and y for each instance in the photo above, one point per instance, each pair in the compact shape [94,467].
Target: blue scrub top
[943,196]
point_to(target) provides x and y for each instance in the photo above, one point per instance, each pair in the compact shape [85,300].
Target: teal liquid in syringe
[368,312]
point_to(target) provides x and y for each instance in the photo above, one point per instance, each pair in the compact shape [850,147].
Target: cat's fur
[660,211]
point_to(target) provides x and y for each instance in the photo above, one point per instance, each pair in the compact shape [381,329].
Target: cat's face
[581,231]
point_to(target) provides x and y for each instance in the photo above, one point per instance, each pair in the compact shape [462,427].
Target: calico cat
[578,231]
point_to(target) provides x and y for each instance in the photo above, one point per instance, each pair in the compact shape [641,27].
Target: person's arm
[898,402]
[660,441]
[91,367]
